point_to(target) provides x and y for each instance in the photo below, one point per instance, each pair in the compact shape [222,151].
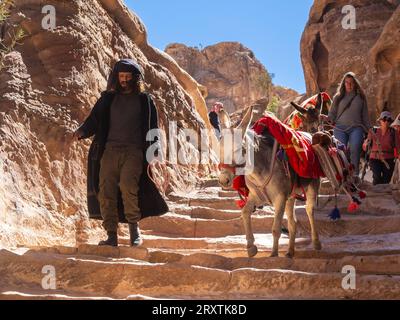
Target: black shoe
[136,239]
[111,241]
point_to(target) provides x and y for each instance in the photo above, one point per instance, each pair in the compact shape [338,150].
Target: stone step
[326,262]
[357,224]
[210,202]
[45,295]
[199,251]
[120,280]
[174,225]
[379,265]
[156,242]
[170,249]
[184,226]
[216,214]
[139,253]
[207,213]
[209,184]
[227,194]
[173,255]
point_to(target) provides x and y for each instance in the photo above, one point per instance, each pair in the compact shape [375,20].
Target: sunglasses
[385,119]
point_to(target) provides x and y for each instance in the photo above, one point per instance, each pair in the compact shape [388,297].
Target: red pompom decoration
[353,207]
[238,183]
[362,195]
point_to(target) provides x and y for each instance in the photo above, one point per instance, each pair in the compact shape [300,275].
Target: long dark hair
[341,92]
[137,83]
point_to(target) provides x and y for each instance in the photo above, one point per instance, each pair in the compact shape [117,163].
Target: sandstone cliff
[372,50]
[48,87]
[229,71]
[283,93]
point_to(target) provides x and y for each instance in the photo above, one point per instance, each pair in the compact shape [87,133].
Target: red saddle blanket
[298,148]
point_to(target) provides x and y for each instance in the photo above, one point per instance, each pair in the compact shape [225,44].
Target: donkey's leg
[312,193]
[246,217]
[279,205]
[292,226]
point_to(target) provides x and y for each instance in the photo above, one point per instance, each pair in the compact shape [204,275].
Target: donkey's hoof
[317,246]
[252,251]
[274,254]
[289,255]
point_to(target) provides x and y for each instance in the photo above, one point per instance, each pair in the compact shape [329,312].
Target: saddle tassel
[335,214]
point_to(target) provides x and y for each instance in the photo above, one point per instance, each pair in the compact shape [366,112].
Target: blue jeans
[354,138]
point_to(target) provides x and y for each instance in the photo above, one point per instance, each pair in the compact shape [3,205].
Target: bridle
[259,188]
[231,167]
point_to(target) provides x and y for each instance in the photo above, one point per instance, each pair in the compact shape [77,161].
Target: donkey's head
[224,119]
[310,116]
[231,146]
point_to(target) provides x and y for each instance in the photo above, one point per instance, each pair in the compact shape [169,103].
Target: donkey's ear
[225,120]
[244,125]
[320,102]
[298,107]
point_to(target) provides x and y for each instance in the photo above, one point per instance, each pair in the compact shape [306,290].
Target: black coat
[151,203]
[214,120]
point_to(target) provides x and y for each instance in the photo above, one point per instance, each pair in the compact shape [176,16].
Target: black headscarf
[124,65]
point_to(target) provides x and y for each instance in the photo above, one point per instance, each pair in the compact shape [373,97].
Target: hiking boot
[111,241]
[135,238]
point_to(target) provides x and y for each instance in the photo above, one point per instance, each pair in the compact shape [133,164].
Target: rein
[230,167]
[261,189]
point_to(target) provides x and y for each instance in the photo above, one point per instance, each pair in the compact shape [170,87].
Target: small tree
[9,37]
[273,105]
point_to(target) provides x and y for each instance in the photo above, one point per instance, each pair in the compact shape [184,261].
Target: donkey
[310,116]
[224,119]
[268,185]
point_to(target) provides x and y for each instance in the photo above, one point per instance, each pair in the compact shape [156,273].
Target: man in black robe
[119,189]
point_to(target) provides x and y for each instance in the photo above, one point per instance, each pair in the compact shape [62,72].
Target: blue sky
[271,28]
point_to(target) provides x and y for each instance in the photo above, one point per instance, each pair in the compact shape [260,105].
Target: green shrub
[273,105]
[14,34]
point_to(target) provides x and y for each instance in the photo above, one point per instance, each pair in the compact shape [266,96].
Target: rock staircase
[198,251]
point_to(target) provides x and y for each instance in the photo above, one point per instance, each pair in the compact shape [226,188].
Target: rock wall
[229,71]
[285,107]
[283,93]
[48,87]
[328,50]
